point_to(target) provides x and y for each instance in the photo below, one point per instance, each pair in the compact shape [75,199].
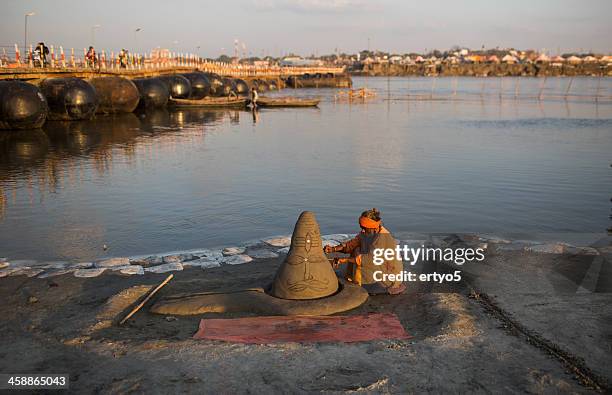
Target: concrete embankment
[486,69]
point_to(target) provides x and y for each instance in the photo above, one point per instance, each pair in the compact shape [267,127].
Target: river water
[443,155]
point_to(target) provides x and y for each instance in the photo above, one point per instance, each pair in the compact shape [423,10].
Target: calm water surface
[172,180]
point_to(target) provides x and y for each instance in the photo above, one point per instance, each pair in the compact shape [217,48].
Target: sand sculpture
[305,284]
[306,272]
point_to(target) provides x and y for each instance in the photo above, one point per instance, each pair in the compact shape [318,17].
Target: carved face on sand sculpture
[306,273]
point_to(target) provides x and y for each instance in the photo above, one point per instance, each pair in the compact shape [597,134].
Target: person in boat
[254,97]
[360,267]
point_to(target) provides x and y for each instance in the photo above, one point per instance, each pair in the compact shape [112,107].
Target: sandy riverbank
[64,324]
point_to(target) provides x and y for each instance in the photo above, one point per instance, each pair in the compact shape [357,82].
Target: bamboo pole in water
[597,91]
[388,84]
[408,85]
[541,95]
[516,87]
[482,87]
[569,86]
[433,86]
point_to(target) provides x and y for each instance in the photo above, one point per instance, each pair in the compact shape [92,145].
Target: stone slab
[55,273]
[175,258]
[132,270]
[204,263]
[261,253]
[110,262]
[229,251]
[551,248]
[236,259]
[339,237]
[166,267]
[280,241]
[87,273]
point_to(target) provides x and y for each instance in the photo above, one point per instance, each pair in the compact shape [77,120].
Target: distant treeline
[483,69]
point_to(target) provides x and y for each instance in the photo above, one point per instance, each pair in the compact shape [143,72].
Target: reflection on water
[38,165]
[54,155]
[168,180]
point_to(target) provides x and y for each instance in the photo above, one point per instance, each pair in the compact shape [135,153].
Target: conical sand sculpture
[306,272]
[305,284]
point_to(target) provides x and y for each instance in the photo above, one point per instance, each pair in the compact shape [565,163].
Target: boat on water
[209,102]
[286,102]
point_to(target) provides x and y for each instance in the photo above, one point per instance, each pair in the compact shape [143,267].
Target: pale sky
[307,27]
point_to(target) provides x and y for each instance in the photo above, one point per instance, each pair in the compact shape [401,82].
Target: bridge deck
[31,73]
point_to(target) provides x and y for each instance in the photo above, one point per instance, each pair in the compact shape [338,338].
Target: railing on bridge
[69,60]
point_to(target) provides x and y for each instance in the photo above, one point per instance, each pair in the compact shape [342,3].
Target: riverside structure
[61,65]
[107,86]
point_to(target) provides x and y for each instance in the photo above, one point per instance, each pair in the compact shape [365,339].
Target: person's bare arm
[339,261]
[345,248]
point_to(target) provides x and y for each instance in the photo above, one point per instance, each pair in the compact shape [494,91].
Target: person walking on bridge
[123,58]
[40,55]
[90,57]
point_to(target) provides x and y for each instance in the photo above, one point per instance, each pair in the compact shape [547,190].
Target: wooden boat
[209,102]
[286,102]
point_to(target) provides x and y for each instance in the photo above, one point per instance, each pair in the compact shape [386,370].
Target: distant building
[509,59]
[475,58]
[557,61]
[298,61]
[452,59]
[526,56]
[159,55]
[542,58]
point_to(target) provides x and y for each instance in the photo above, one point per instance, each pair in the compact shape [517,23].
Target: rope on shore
[575,364]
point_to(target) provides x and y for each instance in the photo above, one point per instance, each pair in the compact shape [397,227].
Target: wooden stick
[135,310]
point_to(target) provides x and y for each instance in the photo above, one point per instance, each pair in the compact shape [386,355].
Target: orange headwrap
[368,223]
